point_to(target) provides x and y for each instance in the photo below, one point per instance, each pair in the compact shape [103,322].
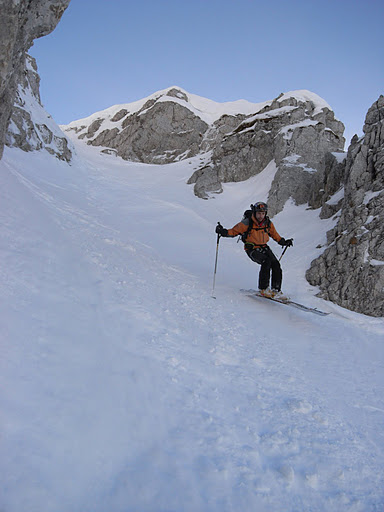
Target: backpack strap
[247,215]
[266,227]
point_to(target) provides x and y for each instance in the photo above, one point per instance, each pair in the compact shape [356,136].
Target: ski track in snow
[125,386]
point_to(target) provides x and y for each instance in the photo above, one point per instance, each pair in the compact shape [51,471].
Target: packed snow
[126,387]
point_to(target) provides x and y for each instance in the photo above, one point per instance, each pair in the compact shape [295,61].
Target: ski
[254,294]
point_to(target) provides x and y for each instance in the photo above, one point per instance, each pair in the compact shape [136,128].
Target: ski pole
[217,252]
[282,254]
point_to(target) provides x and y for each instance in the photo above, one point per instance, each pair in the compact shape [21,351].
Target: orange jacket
[260,232]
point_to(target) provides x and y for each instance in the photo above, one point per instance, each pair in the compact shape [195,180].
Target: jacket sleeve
[239,228]
[274,234]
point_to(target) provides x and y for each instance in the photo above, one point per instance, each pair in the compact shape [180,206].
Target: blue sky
[104,53]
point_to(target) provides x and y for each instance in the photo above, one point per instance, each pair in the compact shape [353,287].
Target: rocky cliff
[350,272]
[31,128]
[297,130]
[165,127]
[21,22]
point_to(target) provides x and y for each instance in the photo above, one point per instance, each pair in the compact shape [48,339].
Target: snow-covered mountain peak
[173,124]
[206,109]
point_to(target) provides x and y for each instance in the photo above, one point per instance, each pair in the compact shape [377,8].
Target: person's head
[260,210]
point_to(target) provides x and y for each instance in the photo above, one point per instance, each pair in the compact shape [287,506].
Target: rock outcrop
[350,272]
[163,128]
[297,130]
[21,22]
[30,127]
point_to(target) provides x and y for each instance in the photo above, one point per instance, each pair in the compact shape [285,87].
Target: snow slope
[126,387]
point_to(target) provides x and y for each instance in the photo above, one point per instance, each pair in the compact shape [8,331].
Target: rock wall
[296,131]
[21,22]
[162,130]
[350,272]
[31,128]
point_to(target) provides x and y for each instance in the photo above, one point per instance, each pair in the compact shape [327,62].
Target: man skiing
[256,228]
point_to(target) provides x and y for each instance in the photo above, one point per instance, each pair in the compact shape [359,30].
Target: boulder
[206,181]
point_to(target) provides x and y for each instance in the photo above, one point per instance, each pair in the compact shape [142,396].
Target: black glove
[286,243]
[221,231]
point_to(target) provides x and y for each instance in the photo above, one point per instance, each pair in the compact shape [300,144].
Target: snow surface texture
[126,387]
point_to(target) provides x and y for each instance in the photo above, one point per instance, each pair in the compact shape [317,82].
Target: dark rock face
[30,127]
[350,272]
[20,23]
[161,133]
[163,130]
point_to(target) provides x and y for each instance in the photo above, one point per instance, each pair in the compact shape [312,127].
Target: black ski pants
[268,261]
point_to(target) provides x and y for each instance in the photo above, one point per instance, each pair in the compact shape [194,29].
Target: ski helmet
[260,207]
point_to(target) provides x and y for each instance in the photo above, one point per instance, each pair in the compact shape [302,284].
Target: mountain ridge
[200,103]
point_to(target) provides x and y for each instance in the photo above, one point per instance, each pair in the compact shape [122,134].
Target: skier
[256,228]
